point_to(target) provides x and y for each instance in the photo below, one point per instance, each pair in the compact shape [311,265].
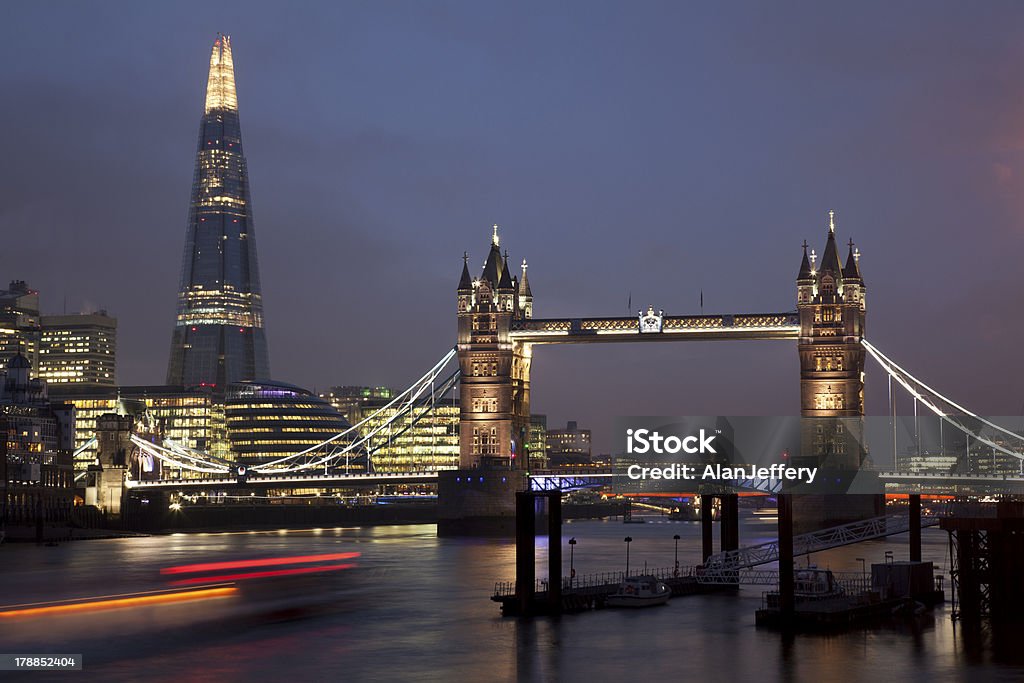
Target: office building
[218,335]
[77,350]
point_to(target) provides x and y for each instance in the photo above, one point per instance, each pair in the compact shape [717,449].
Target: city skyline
[374,172]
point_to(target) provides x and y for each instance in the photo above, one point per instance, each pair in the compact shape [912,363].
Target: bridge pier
[729,516]
[526,548]
[915,527]
[707,517]
[526,577]
[555,552]
[787,598]
[480,501]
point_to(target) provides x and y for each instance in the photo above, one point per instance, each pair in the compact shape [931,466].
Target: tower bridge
[497,333]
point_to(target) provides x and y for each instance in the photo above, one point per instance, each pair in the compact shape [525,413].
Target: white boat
[639,591]
[811,582]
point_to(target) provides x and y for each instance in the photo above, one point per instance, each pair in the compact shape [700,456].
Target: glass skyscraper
[218,336]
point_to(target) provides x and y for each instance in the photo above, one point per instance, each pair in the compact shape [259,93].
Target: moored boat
[639,591]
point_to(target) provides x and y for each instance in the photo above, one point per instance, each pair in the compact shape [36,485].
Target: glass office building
[431,443]
[77,350]
[269,420]
[218,336]
[191,417]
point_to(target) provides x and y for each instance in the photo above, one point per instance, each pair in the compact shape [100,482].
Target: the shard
[218,336]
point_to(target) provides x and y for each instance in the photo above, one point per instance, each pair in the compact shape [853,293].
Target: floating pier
[591,592]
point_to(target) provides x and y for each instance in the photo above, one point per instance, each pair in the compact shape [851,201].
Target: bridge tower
[495,385]
[831,305]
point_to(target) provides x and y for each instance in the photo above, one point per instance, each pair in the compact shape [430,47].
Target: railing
[630,325]
[852,584]
[824,539]
[594,582]
[848,583]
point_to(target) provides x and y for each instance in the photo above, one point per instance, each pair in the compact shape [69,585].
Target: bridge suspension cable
[929,398]
[362,439]
[179,458]
[78,452]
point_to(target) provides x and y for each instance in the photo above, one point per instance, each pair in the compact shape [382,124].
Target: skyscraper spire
[220,86]
[218,335]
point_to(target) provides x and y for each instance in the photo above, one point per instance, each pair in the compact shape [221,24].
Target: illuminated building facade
[35,454]
[538,441]
[356,402]
[569,446]
[432,443]
[218,336]
[192,417]
[494,388]
[19,323]
[78,350]
[268,420]
[831,304]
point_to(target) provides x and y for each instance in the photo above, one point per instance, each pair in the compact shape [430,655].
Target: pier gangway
[728,562]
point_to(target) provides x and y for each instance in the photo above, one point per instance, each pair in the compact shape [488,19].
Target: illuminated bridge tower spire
[495,386]
[218,336]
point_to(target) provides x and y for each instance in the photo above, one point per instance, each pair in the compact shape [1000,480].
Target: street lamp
[863,569]
[572,568]
[628,540]
[676,539]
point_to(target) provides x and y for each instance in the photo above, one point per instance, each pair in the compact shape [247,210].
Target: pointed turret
[851,271]
[525,296]
[805,266]
[830,258]
[465,282]
[220,87]
[524,283]
[505,281]
[492,266]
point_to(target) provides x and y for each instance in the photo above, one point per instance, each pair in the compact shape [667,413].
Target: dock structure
[987,556]
[576,594]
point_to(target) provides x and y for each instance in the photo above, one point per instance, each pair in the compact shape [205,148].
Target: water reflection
[417,607]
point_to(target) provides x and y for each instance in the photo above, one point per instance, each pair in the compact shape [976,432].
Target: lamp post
[863,570]
[572,567]
[676,539]
[628,540]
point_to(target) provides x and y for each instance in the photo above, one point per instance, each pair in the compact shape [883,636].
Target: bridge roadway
[292,480]
[576,479]
[672,328]
[565,480]
[952,484]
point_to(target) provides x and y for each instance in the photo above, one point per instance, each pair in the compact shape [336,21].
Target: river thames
[416,608]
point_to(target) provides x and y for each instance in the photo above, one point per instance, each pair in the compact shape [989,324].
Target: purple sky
[652,148]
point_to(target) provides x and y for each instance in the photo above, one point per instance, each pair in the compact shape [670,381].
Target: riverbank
[245,517]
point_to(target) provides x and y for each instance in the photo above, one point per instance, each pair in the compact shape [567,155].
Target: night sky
[644,149]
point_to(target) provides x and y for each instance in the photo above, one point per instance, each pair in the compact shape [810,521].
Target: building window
[828,402]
